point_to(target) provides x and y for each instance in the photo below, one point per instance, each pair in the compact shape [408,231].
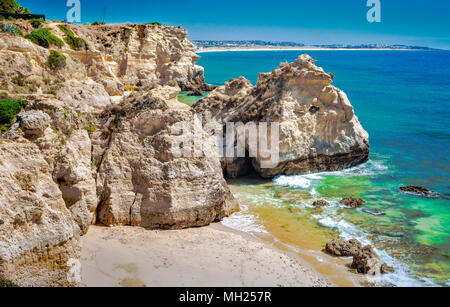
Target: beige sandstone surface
[319,130]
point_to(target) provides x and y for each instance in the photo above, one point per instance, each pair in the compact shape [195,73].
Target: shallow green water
[190,100]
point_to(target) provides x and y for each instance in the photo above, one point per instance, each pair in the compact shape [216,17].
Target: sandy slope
[208,256]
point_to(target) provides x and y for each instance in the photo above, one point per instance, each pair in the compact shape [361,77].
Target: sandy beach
[196,257]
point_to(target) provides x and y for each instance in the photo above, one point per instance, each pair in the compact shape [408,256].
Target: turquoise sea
[402,98]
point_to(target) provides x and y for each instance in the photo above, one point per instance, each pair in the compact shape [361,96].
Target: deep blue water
[402,98]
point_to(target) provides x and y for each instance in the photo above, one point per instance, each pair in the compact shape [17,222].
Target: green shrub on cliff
[89,129]
[7,284]
[56,60]
[18,81]
[44,38]
[154,23]
[12,29]
[36,23]
[9,108]
[13,7]
[76,43]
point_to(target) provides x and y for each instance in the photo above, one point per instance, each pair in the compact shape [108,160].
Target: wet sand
[200,257]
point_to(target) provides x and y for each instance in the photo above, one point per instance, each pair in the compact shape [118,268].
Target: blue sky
[413,22]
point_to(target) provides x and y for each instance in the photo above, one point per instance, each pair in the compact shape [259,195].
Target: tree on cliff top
[12,7]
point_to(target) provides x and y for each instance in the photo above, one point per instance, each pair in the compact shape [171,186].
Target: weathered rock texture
[119,57]
[38,237]
[343,248]
[320,203]
[352,202]
[365,259]
[143,181]
[319,130]
[77,155]
[418,190]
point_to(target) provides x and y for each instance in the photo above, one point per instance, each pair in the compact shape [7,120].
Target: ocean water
[402,98]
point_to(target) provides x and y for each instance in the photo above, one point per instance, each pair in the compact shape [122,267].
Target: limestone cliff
[319,130]
[93,144]
[117,58]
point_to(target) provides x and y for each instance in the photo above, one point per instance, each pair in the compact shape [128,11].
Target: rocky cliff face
[118,57]
[79,155]
[38,237]
[319,130]
[155,188]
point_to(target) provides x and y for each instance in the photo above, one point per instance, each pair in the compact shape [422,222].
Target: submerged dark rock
[321,203]
[374,212]
[319,129]
[417,190]
[353,202]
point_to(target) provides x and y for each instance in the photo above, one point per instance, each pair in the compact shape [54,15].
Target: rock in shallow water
[417,190]
[366,261]
[321,203]
[318,128]
[343,248]
[353,202]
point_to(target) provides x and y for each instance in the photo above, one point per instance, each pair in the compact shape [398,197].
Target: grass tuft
[44,38]
[56,60]
[76,43]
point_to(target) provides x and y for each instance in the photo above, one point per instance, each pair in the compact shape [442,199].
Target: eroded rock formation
[352,202]
[38,237]
[343,248]
[319,130]
[119,57]
[143,180]
[77,155]
[365,259]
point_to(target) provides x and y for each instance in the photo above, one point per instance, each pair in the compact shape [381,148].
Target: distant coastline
[234,49]
[255,45]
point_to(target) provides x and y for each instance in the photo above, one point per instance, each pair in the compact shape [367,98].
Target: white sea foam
[293,181]
[244,221]
[402,277]
[370,168]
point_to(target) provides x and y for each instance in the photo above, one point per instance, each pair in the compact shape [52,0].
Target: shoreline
[237,49]
[301,242]
[214,255]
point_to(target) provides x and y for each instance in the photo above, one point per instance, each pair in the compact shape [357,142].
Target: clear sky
[412,22]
